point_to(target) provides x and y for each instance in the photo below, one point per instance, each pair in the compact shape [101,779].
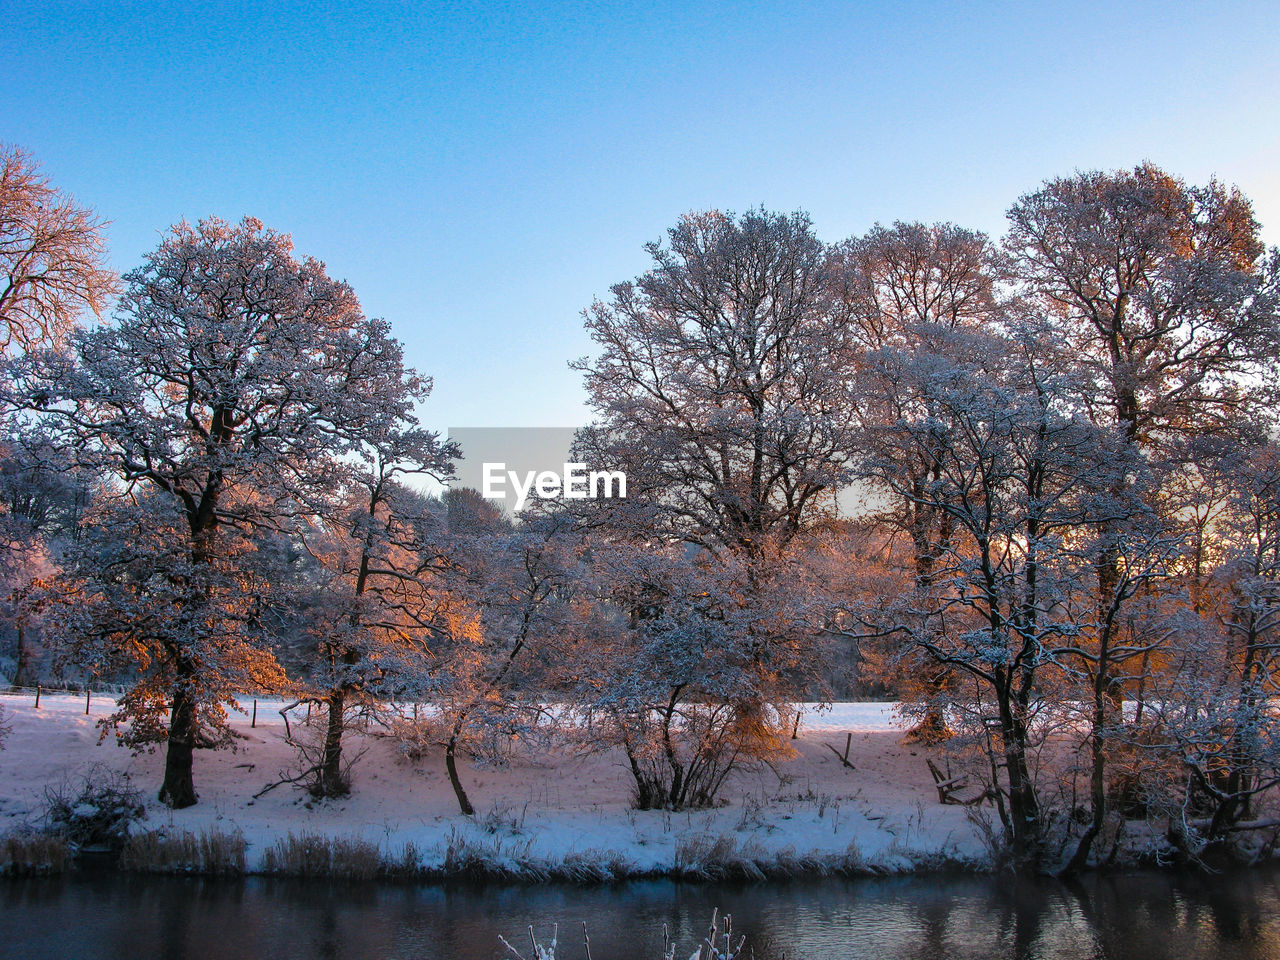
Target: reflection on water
[1135,917]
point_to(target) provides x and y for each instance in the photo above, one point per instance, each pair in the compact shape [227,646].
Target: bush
[97,812]
[680,756]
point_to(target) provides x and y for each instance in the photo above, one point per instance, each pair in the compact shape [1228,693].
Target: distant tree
[43,496]
[218,403]
[52,257]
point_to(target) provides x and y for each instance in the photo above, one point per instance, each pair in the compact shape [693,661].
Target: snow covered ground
[539,808]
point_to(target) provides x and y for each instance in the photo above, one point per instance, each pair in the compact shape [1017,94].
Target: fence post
[254,722]
[37,696]
[87,694]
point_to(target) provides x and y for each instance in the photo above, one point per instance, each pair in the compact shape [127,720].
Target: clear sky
[479,172]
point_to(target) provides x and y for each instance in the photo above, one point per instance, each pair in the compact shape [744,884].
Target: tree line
[1029,486]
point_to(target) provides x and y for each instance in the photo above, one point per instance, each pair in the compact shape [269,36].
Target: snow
[540,808]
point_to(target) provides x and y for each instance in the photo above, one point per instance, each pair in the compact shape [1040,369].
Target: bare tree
[52,257]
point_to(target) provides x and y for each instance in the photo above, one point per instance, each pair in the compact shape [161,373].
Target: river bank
[553,812]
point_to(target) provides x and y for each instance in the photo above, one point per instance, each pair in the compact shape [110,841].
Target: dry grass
[486,859]
[210,853]
[704,858]
[594,866]
[31,853]
[338,858]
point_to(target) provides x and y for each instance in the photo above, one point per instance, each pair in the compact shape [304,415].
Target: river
[1135,916]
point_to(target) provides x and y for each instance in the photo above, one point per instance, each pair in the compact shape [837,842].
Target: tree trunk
[644,788]
[24,659]
[1098,805]
[179,789]
[332,782]
[451,765]
[1024,807]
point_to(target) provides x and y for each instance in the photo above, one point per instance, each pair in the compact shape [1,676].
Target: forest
[1027,486]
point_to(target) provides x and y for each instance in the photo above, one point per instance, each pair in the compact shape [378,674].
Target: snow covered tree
[522,582]
[907,286]
[1211,731]
[219,403]
[378,595]
[1169,301]
[185,628]
[720,387]
[721,390]
[1023,476]
[1164,289]
[52,257]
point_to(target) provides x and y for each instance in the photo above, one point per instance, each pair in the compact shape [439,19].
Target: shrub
[681,755]
[96,812]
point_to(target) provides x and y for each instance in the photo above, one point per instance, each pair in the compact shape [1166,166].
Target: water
[1135,917]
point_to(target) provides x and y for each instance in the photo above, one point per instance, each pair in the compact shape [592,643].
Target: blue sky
[479,172]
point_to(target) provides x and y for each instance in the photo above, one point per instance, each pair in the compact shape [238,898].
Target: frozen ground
[540,808]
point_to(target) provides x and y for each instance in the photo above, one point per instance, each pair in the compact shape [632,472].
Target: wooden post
[87,694]
[37,696]
[254,721]
[415,712]
[844,758]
